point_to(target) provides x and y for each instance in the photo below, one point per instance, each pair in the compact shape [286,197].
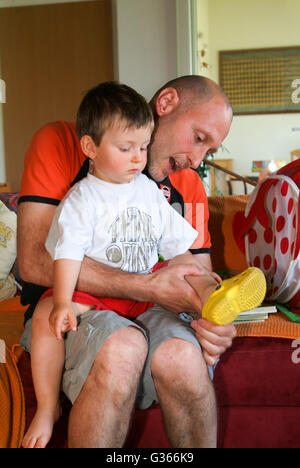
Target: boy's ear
[167,101]
[88,146]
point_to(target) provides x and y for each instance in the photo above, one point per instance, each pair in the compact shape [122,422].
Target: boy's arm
[65,274]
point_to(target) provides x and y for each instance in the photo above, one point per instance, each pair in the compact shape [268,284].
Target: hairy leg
[108,396]
[186,394]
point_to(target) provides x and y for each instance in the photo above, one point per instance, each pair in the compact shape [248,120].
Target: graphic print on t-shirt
[133,241]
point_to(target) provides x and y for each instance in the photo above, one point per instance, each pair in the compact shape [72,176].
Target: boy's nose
[137,157]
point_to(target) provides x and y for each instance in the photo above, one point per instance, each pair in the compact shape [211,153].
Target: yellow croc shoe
[235,295]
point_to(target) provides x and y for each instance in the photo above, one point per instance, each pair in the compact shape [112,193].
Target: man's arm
[34,262]
[204,261]
[166,287]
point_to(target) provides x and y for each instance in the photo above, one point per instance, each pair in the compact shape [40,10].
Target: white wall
[145,43]
[247,24]
[2,159]
[203,36]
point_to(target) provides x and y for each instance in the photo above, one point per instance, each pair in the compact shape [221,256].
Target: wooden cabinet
[50,56]
[5,187]
[295,154]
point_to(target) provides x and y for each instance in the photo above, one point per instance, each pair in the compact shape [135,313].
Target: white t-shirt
[125,226]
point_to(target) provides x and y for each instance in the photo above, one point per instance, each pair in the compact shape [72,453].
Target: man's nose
[196,158]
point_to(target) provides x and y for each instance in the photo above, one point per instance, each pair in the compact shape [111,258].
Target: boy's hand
[214,339]
[62,319]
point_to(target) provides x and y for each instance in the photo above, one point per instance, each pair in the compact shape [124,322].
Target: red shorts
[124,307]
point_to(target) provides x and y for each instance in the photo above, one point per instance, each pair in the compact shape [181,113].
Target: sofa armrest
[11,320]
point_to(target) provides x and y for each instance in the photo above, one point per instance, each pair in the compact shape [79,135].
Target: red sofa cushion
[258,372]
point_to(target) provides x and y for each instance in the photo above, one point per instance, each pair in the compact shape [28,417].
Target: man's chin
[156,174]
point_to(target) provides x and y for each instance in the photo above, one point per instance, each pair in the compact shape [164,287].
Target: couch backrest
[10,199]
[226,255]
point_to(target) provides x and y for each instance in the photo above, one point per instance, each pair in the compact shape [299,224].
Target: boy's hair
[105,103]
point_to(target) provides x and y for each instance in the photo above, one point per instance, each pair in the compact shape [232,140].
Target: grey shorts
[82,346]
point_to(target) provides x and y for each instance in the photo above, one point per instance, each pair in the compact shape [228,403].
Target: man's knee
[121,359]
[179,365]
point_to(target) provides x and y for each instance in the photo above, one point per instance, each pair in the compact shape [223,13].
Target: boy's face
[122,153]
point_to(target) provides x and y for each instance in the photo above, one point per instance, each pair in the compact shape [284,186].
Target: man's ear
[167,101]
[88,146]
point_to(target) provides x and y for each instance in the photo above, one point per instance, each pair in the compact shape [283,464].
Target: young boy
[119,217]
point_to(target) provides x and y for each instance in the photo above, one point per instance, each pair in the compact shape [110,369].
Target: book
[259,314]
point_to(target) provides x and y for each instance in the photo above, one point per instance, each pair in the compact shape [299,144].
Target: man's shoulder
[55,155]
[60,129]
[186,180]
[189,184]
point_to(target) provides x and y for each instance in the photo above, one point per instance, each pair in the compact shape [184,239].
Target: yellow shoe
[235,295]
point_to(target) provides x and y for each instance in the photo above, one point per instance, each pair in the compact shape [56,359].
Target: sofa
[257,380]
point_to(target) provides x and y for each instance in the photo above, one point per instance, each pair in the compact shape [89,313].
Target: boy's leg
[204,284]
[47,362]
[47,358]
[224,301]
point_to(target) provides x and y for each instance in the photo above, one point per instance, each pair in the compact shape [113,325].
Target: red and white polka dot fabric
[272,241]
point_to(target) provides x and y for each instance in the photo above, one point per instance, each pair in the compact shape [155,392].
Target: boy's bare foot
[40,430]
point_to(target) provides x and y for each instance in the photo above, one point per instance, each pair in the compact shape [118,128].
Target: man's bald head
[192,90]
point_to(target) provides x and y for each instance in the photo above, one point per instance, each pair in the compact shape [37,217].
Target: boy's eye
[124,148]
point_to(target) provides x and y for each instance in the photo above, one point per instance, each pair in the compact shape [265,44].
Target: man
[193,117]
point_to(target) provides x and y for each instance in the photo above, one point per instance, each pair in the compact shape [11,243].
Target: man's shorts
[82,346]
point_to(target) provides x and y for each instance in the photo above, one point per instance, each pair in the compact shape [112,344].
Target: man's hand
[214,339]
[169,288]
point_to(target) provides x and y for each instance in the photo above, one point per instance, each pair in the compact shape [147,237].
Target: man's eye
[124,149]
[199,139]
